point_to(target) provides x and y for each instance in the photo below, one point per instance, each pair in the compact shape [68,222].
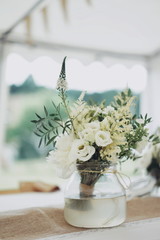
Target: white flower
[140,120]
[59,160]
[96,110]
[61,84]
[64,142]
[142,144]
[105,124]
[156,151]
[62,167]
[87,134]
[102,138]
[108,109]
[82,96]
[61,157]
[146,158]
[82,151]
[95,126]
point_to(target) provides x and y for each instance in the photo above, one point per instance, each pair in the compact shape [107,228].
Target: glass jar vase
[95,198]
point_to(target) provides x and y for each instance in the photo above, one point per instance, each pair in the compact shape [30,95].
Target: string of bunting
[45,17]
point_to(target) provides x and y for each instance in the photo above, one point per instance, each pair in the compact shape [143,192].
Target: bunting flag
[89,2]
[45,17]
[64,7]
[28,24]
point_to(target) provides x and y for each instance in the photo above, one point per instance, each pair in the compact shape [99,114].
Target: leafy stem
[63,97]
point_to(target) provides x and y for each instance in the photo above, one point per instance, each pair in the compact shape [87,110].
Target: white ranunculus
[82,151]
[103,138]
[140,120]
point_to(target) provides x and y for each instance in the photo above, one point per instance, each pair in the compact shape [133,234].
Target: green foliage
[28,86]
[47,119]
[51,125]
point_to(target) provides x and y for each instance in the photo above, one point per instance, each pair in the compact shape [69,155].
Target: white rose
[102,138]
[140,120]
[82,151]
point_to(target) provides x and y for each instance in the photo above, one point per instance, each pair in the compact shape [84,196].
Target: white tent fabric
[127,27]
[117,31]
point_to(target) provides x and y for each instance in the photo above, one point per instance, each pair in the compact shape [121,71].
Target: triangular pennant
[64,7]
[28,24]
[89,2]
[45,17]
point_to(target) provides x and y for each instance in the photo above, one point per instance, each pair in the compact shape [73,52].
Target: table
[40,216]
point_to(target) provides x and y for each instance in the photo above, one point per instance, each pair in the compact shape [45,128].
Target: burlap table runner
[37,223]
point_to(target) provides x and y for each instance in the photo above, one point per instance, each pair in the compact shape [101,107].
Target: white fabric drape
[151,96]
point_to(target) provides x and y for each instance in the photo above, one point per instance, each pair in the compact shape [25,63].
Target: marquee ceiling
[120,26]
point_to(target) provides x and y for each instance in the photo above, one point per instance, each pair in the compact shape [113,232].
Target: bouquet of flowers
[96,135]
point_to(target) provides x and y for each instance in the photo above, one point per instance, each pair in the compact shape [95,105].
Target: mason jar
[95,198]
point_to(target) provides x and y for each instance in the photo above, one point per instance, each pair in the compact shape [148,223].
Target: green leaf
[40,130]
[129,93]
[53,114]
[37,134]
[57,119]
[45,139]
[38,116]
[151,136]
[51,140]
[145,116]
[48,136]
[46,112]
[34,121]
[50,124]
[57,131]
[119,102]
[44,127]
[40,142]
